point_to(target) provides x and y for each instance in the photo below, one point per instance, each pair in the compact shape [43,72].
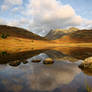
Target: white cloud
[41,16]
[86,24]
[4,7]
[14,2]
[39,77]
[14,10]
[22,22]
[2,21]
[51,14]
[9,3]
[49,78]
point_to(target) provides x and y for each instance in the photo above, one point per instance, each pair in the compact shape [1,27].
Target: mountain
[58,33]
[80,36]
[18,32]
[54,34]
[15,40]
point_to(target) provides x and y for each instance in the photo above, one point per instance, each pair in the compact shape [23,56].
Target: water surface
[19,74]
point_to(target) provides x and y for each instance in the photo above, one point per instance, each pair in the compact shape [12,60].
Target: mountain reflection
[50,55]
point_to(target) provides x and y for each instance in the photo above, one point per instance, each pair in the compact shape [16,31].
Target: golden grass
[14,44]
[20,40]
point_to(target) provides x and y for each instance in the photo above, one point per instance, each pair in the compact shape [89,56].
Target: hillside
[54,34]
[80,36]
[18,32]
[15,40]
[58,33]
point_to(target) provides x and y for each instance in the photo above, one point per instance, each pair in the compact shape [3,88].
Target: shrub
[4,53]
[4,36]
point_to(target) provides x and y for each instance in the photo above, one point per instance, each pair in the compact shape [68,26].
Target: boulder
[87,64]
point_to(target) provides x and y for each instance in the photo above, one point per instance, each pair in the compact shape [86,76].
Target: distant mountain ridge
[58,33]
[71,35]
[80,36]
[58,36]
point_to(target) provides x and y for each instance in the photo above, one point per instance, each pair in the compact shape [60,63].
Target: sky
[40,16]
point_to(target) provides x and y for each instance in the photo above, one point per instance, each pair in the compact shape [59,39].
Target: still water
[22,73]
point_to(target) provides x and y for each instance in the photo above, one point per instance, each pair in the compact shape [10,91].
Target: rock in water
[87,63]
[88,60]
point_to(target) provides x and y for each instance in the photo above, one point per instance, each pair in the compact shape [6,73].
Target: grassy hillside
[15,40]
[80,36]
[18,32]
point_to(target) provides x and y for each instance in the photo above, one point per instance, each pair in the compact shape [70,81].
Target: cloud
[51,14]
[40,16]
[50,78]
[38,77]
[22,22]
[2,21]
[14,10]
[4,7]
[86,24]
[13,2]
[9,3]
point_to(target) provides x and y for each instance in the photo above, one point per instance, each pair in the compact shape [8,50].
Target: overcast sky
[40,16]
